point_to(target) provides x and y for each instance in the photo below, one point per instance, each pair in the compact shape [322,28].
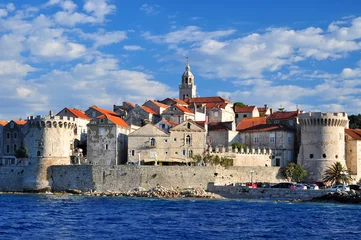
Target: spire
[188,68]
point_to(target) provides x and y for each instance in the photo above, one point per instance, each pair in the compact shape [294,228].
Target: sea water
[28,216]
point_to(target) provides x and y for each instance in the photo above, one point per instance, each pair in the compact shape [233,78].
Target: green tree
[294,172]
[226,162]
[238,145]
[355,121]
[239,104]
[22,152]
[336,173]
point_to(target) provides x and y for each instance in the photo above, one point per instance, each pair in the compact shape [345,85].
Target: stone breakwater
[156,192]
[348,197]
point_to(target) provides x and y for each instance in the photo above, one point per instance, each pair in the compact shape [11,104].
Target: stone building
[251,122]
[278,138]
[322,142]
[94,112]
[187,89]
[172,101]
[13,137]
[221,134]
[156,106]
[140,116]
[245,112]
[264,111]
[81,120]
[217,109]
[2,125]
[165,125]
[107,140]
[152,145]
[177,114]
[49,142]
[124,109]
[353,152]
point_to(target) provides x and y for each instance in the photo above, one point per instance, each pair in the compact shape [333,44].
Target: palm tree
[336,173]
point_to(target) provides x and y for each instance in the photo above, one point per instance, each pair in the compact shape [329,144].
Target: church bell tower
[187,89]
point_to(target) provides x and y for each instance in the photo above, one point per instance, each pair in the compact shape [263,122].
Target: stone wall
[12,178]
[124,178]
[264,193]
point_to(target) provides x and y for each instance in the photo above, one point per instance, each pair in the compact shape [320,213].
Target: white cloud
[103,38]
[133,48]
[14,69]
[150,9]
[98,8]
[3,12]
[10,7]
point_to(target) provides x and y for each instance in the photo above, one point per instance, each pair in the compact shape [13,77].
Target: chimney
[271,110]
[265,106]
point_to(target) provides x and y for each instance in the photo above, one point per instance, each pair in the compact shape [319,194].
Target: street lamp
[251,171]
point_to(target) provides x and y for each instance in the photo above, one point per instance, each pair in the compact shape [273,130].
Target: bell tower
[187,89]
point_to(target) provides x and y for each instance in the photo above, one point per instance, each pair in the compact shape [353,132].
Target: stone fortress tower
[50,142]
[187,89]
[322,142]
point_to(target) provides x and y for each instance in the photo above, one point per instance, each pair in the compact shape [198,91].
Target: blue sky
[62,53]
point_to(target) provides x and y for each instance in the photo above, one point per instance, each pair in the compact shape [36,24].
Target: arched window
[190,153]
[188,140]
[188,125]
[152,142]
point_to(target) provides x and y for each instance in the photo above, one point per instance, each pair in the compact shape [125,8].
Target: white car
[339,187]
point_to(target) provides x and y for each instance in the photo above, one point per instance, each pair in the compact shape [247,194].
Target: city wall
[12,178]
[124,178]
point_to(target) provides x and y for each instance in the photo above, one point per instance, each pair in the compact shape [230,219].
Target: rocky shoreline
[157,192]
[346,197]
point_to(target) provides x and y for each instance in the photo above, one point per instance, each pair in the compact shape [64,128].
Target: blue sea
[28,216]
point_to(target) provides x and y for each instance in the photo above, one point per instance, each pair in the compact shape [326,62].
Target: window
[324,155]
[289,156]
[101,120]
[245,115]
[176,153]
[188,125]
[289,138]
[38,153]
[166,153]
[236,115]
[190,153]
[174,139]
[152,142]
[184,152]
[133,152]
[165,140]
[272,137]
[11,125]
[15,147]
[311,155]
[94,114]
[106,147]
[7,135]
[15,135]
[188,140]
[256,139]
[162,126]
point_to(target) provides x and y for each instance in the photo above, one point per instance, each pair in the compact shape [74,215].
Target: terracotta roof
[3,123]
[207,100]
[116,120]
[149,110]
[183,109]
[266,128]
[262,110]
[245,109]
[78,113]
[179,101]
[169,122]
[283,115]
[250,122]
[216,105]
[130,104]
[104,111]
[20,122]
[354,133]
[214,126]
[159,104]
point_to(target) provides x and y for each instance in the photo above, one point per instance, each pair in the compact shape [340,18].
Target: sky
[63,53]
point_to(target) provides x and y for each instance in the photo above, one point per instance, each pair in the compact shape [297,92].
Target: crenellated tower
[49,142]
[187,89]
[322,142]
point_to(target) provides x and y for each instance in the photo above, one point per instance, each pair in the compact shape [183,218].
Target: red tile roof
[130,104]
[78,113]
[116,120]
[159,104]
[104,111]
[207,100]
[266,128]
[169,122]
[20,122]
[179,101]
[262,110]
[250,122]
[283,115]
[214,126]
[3,123]
[147,109]
[216,105]
[354,133]
[245,109]
[183,109]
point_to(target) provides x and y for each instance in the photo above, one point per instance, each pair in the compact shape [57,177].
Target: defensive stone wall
[122,178]
[11,179]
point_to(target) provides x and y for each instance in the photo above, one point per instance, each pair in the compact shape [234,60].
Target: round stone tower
[49,142]
[322,142]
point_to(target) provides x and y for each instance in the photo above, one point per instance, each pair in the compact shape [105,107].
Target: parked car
[251,185]
[339,188]
[285,185]
[264,185]
[355,187]
[313,187]
[300,187]
[321,185]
